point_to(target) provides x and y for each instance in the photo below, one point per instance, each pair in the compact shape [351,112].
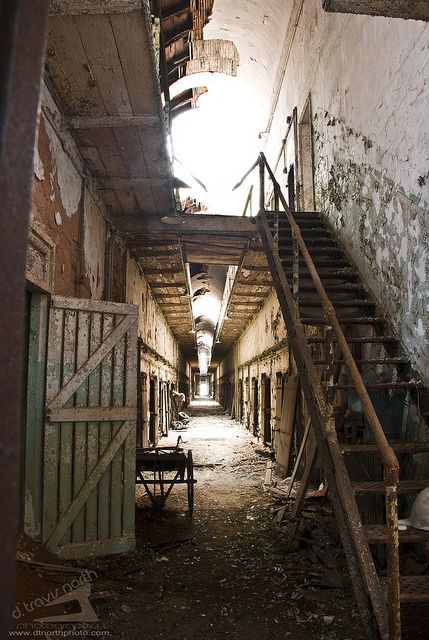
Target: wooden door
[90,429]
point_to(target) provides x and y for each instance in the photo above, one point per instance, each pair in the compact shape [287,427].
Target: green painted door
[90,428]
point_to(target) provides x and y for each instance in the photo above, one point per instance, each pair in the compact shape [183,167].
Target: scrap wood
[168,545]
[51,568]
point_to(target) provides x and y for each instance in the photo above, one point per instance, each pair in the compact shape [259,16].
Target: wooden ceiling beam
[104,121]
[186,224]
[92,7]
[120,182]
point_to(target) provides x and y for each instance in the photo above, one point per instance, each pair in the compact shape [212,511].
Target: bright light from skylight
[217,144]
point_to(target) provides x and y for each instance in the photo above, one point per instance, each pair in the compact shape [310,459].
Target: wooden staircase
[332,322]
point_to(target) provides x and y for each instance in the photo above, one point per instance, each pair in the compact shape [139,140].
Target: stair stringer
[367,588]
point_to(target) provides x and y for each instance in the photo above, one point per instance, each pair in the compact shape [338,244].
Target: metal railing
[386,453]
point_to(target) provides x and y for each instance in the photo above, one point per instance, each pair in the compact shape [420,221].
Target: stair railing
[386,453]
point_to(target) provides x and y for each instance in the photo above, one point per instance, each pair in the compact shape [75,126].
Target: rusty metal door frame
[22,44]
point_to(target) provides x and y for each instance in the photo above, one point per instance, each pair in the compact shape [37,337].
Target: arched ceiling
[220,139]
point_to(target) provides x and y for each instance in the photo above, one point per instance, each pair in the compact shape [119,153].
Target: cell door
[90,428]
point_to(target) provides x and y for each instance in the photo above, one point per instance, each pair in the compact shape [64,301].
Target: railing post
[391,479]
[261,183]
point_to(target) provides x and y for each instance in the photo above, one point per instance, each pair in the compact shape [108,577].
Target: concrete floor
[233,579]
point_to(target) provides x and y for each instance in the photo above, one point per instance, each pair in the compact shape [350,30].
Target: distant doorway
[266,409]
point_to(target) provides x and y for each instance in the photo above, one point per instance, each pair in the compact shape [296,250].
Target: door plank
[51,443]
[94,383]
[105,431]
[128,514]
[118,393]
[95,359]
[96,306]
[66,429]
[92,481]
[75,415]
[95,414]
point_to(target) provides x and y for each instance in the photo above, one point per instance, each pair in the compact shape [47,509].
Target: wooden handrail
[387,454]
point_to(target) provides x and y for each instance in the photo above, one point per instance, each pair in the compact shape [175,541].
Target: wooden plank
[92,481]
[99,306]
[100,46]
[286,424]
[206,224]
[105,428]
[67,68]
[131,35]
[116,470]
[75,415]
[129,457]
[118,120]
[95,359]
[66,428]
[94,414]
[35,408]
[94,384]
[120,182]
[78,7]
[305,480]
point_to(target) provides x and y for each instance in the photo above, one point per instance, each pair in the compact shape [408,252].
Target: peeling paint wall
[262,350]
[153,328]
[68,211]
[367,78]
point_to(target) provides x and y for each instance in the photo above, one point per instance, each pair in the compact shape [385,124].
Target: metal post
[261,183]
[391,479]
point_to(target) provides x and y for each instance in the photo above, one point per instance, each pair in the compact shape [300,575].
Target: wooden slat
[78,378]
[286,424]
[99,306]
[100,120]
[105,429]
[94,384]
[116,468]
[77,7]
[91,483]
[66,429]
[52,436]
[69,55]
[100,46]
[131,36]
[80,432]
[95,414]
[129,456]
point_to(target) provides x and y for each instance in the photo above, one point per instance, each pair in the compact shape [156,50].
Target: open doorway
[255,405]
[266,409]
[306,159]
[153,411]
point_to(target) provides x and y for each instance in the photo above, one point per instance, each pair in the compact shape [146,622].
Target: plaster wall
[68,211]
[260,350]
[367,77]
[153,328]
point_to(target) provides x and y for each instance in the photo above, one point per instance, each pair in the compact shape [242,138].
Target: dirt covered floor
[232,578]
[229,571]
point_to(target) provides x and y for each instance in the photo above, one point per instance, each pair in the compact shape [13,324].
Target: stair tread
[398,447]
[413,588]
[376,534]
[363,340]
[404,486]
[346,320]
[353,302]
[380,386]
[369,361]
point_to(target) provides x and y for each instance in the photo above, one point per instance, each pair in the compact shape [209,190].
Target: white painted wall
[368,79]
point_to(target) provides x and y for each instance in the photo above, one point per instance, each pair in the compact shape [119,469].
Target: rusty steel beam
[23,27]
[406,9]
